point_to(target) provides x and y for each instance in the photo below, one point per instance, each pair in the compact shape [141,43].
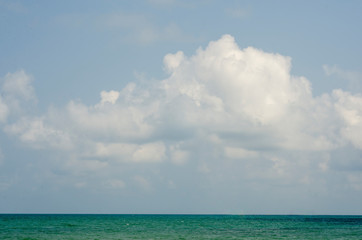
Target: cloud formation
[223,103]
[17,94]
[140,29]
[353,80]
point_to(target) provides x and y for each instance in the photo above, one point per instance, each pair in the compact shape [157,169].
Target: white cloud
[17,93]
[109,97]
[226,89]
[221,90]
[150,152]
[3,110]
[222,103]
[177,155]
[172,61]
[349,108]
[232,152]
[18,84]
[111,121]
[34,132]
[247,83]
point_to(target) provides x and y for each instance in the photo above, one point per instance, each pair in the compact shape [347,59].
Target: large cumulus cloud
[221,103]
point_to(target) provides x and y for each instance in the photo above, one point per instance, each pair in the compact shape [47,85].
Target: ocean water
[57,226]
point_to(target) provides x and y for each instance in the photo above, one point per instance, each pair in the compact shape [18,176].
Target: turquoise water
[50,226]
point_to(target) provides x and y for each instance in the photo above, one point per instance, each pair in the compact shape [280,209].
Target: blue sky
[167,106]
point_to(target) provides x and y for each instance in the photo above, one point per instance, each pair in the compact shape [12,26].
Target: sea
[109,226]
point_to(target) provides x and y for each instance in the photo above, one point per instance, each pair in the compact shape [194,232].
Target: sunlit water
[179,227]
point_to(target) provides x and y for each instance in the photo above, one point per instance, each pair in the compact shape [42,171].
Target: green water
[14,226]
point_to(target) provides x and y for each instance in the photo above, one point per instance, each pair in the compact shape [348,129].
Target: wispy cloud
[142,29]
[239,13]
[162,2]
[17,94]
[354,79]
[127,27]
[13,6]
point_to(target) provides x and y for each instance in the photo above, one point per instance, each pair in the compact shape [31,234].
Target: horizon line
[190,214]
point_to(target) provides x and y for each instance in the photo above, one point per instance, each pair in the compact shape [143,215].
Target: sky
[181,107]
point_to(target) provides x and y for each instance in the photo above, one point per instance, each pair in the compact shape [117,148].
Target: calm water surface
[49,226]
